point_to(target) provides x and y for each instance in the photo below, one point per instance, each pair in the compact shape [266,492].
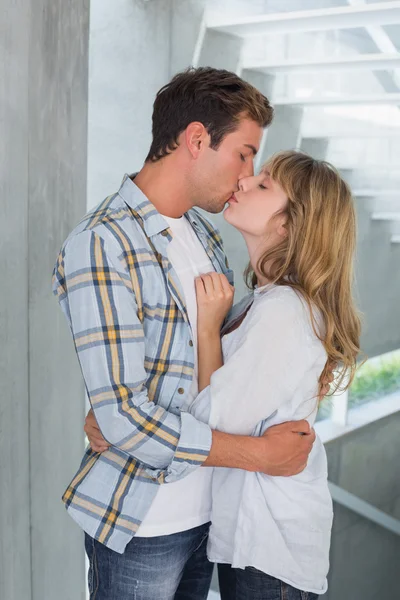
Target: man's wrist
[257,454]
[237,452]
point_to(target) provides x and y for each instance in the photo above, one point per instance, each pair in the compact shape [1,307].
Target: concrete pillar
[15,558]
[284,133]
[263,82]
[315,147]
[348,176]
[188,28]
[192,44]
[378,281]
[130,51]
[220,50]
[58,93]
[43,102]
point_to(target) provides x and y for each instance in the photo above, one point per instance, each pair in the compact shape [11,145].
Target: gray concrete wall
[284,133]
[365,557]
[130,54]
[14,407]
[377,286]
[316,147]
[43,151]
[221,51]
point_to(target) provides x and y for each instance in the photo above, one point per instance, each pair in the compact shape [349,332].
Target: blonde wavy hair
[316,256]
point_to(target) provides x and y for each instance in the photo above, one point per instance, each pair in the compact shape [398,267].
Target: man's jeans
[251,584]
[169,567]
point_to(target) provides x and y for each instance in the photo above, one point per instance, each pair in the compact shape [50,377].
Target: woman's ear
[281,229]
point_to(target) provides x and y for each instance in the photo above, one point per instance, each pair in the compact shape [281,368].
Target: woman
[270,535]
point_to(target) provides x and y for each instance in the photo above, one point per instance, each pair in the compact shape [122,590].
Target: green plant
[376,378]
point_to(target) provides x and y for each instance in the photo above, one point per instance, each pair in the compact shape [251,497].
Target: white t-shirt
[186,503]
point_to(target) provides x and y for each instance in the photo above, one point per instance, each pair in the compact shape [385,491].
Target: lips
[233,199]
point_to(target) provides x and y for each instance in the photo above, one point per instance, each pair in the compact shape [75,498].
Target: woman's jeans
[169,567]
[251,584]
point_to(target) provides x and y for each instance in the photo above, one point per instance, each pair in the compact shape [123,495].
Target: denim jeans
[169,567]
[251,584]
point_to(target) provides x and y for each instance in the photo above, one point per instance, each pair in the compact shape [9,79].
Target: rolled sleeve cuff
[193,448]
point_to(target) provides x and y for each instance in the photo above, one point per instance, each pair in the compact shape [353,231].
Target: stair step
[385,216]
[371,193]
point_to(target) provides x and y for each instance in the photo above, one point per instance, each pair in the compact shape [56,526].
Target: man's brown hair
[216,98]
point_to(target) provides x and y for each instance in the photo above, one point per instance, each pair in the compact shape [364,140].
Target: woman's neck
[256,248]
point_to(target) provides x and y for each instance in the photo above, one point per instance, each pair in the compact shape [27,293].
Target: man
[125,281]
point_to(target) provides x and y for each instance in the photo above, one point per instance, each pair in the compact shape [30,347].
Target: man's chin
[216,208]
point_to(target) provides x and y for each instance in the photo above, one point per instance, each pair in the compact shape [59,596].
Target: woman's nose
[246,184]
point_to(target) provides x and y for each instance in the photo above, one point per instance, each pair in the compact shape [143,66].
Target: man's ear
[196,138]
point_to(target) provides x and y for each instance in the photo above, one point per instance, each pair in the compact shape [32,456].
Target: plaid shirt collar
[153,221]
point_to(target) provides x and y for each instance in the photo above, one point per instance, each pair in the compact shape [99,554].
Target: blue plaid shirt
[125,307]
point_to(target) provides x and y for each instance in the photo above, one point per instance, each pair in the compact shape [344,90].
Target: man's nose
[246,174]
[248,169]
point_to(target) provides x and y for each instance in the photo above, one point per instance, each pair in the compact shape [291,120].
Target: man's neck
[162,183]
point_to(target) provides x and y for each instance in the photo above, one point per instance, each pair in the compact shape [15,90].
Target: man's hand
[286,448]
[95,437]
[282,451]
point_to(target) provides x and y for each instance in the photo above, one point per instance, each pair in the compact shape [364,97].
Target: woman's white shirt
[279,525]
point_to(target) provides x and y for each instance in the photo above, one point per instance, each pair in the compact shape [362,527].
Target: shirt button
[164,233]
[190,343]
[181,391]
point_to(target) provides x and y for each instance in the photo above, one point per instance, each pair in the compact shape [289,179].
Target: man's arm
[94,289]
[283,450]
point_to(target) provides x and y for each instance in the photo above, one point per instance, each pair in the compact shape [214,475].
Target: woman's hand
[214,300]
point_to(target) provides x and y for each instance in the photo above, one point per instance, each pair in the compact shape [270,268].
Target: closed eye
[262,186]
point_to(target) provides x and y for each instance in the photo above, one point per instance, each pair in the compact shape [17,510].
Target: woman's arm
[209,357]
[214,300]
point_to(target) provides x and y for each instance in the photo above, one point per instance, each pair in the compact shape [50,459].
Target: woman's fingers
[199,285]
[217,282]
[208,285]
[226,286]
[214,288]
